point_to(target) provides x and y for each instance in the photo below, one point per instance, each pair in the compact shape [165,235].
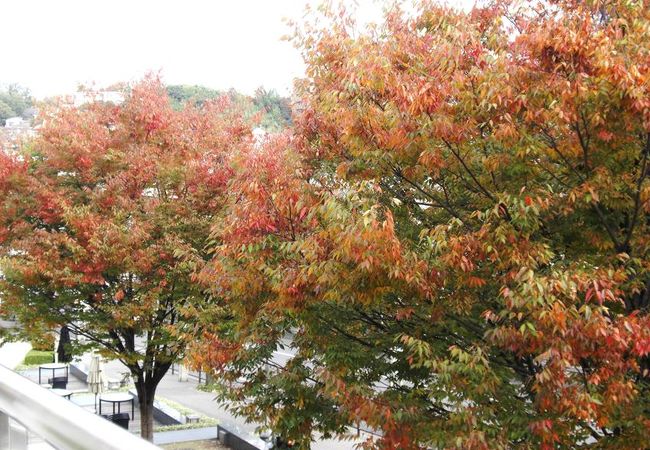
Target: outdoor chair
[58,382]
[280,443]
[120,419]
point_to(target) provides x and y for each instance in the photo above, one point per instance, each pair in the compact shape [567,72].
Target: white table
[117,398]
[53,367]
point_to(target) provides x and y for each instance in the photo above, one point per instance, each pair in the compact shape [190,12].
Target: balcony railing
[26,407]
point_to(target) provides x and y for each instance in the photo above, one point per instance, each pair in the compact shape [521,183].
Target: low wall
[232,440]
[227,435]
[79,371]
[164,414]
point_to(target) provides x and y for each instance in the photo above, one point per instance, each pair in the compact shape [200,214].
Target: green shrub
[36,357]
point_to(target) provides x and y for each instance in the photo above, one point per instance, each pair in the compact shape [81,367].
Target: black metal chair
[280,443]
[58,382]
[120,419]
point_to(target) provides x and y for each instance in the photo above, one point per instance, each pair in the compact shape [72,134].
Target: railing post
[13,436]
[18,437]
[27,408]
[4,431]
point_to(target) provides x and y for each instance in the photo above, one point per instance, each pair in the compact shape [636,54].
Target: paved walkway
[81,397]
[187,394]
[183,392]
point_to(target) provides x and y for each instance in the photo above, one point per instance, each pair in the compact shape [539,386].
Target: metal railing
[26,407]
[201,376]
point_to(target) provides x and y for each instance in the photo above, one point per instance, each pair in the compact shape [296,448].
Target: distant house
[30,113]
[15,131]
[16,122]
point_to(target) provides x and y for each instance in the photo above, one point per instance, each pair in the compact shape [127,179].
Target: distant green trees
[275,110]
[14,101]
[180,94]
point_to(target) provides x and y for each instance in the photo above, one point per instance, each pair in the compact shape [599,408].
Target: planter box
[164,414]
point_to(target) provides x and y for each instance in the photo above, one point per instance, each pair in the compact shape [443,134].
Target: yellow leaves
[527,327]
[420,352]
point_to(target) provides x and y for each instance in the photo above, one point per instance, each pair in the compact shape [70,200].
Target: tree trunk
[146,394]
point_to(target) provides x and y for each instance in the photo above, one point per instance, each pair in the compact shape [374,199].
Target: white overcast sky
[51,46]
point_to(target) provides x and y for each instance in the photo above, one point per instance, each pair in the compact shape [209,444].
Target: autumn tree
[456,234]
[104,219]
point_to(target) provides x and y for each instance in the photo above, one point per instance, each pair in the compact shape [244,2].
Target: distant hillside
[276,110]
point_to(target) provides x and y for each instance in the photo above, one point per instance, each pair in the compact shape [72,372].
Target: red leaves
[404,313]
[475,282]
[214,353]
[119,295]
[605,135]
[438,161]
[11,170]
[642,346]
[274,198]
[601,291]
[544,429]
[112,193]
[50,206]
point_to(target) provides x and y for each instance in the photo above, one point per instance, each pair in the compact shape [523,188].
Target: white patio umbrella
[96,378]
[56,347]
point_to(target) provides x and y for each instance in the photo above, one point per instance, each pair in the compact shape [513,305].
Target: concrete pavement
[183,392]
[187,394]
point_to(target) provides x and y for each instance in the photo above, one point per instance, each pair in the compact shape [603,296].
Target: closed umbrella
[95,378]
[63,347]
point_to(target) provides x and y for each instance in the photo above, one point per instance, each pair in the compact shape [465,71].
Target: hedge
[36,357]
